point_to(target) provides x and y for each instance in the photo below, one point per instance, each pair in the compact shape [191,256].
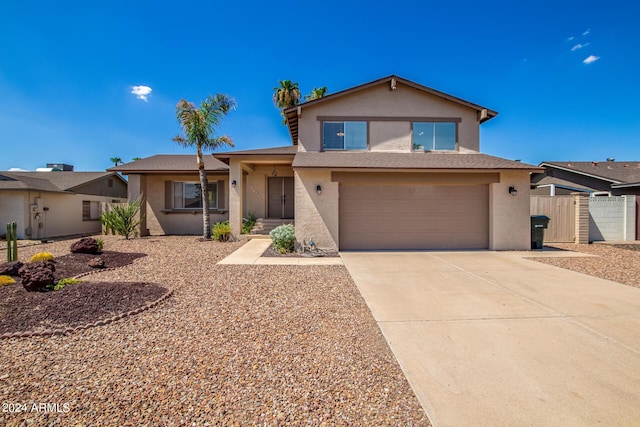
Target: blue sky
[68,69]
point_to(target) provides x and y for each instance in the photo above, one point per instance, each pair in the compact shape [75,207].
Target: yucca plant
[123,218]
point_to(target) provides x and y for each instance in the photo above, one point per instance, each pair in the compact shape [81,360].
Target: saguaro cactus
[12,242]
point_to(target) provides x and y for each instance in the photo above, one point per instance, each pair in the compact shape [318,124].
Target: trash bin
[538,224]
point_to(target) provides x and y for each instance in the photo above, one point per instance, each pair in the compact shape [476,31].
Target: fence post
[581,201]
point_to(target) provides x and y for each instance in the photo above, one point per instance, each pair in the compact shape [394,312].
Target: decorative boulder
[36,276]
[86,245]
[10,268]
[96,263]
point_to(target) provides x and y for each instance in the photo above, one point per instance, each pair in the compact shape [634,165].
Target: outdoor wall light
[319,189]
[233,183]
[513,191]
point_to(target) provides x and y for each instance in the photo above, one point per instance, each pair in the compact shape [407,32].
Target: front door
[281,198]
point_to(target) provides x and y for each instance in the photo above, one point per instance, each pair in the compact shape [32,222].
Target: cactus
[12,242]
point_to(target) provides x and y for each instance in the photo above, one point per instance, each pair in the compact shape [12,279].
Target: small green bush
[248,223]
[284,238]
[42,256]
[63,282]
[123,218]
[100,244]
[221,231]
[6,280]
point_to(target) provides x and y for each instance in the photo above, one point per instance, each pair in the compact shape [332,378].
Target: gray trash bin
[538,224]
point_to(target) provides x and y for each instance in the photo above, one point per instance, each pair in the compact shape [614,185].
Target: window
[344,135]
[430,136]
[188,195]
[110,182]
[90,210]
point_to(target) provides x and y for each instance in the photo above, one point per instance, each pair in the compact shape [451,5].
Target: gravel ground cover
[235,345]
[619,263]
[271,252]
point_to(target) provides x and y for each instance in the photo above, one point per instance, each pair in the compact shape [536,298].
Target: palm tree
[286,95]
[116,160]
[316,92]
[198,125]
[136,158]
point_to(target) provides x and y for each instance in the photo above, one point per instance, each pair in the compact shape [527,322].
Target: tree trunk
[204,187]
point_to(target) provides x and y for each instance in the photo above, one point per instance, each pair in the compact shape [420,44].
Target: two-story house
[390,164]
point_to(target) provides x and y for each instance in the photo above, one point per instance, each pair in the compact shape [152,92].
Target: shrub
[6,280]
[248,223]
[62,283]
[122,218]
[100,243]
[221,231]
[284,238]
[42,256]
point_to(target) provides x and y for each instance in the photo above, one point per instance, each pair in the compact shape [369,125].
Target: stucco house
[389,164]
[57,203]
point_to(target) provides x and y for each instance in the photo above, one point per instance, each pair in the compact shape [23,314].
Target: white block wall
[612,218]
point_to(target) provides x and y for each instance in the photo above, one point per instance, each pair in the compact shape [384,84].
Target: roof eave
[567,169]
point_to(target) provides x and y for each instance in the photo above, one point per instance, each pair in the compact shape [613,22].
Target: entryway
[281,197]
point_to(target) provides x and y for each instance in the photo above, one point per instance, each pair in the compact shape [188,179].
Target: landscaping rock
[86,245]
[96,263]
[37,275]
[10,268]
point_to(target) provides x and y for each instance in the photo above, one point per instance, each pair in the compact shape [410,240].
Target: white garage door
[414,217]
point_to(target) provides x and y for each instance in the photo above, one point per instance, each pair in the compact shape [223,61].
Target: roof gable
[612,172]
[51,181]
[292,113]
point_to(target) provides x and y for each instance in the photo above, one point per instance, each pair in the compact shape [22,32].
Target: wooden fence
[561,211]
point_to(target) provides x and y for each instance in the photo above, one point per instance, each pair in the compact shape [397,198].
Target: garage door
[414,217]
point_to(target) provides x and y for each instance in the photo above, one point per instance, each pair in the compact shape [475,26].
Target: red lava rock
[96,263]
[86,245]
[10,268]
[36,276]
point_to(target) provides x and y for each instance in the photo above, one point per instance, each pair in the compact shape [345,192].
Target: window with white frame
[90,210]
[188,195]
[433,136]
[338,135]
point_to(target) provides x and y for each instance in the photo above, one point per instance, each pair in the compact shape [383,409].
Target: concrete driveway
[488,338]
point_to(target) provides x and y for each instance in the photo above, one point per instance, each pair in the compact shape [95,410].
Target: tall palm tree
[198,125]
[316,92]
[286,95]
[116,160]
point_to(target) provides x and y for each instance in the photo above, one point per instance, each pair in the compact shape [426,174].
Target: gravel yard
[234,345]
[619,263]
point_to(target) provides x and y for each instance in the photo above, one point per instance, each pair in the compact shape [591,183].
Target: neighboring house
[55,204]
[603,178]
[170,186]
[390,164]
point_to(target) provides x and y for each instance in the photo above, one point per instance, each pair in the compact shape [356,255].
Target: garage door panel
[414,217]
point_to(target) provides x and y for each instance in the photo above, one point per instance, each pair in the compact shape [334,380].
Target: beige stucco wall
[159,219]
[379,101]
[390,136]
[255,201]
[55,214]
[101,187]
[509,218]
[316,215]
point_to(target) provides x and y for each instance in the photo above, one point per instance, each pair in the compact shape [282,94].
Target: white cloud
[576,47]
[141,92]
[591,58]
[571,38]
[586,33]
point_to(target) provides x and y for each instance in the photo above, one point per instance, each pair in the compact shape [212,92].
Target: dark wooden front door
[280,201]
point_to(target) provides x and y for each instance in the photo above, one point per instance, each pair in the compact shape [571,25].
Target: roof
[172,163]
[50,181]
[291,114]
[273,151]
[563,183]
[381,160]
[614,172]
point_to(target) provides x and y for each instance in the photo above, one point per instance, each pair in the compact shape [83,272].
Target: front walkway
[488,338]
[251,253]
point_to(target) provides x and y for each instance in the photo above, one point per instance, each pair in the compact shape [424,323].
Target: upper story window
[344,135]
[433,136]
[188,195]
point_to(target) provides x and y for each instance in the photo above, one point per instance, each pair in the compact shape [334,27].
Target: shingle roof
[380,160]
[49,181]
[170,163]
[616,172]
[272,151]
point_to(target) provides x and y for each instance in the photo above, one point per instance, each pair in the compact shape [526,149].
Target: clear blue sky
[67,71]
